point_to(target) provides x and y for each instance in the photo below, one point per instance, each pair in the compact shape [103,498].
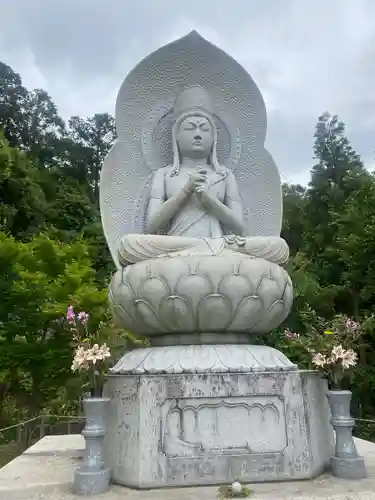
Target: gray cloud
[306,57]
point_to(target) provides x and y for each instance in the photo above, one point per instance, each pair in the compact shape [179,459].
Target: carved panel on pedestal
[246,425]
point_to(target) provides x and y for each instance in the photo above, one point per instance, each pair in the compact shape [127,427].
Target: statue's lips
[197,144]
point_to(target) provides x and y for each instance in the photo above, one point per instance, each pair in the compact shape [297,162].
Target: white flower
[80,359]
[104,351]
[319,359]
[98,353]
[94,354]
[349,359]
[338,353]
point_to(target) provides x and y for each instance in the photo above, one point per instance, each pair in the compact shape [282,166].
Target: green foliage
[39,278]
[53,252]
[93,138]
[295,206]
[22,202]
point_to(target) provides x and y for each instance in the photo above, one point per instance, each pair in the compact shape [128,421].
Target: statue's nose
[197,138]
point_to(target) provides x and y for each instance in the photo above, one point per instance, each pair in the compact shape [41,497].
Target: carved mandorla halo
[144,120]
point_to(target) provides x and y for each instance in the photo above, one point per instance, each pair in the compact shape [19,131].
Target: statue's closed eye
[193,126]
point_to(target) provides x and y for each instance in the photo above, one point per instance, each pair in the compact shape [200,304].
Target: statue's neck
[194,162]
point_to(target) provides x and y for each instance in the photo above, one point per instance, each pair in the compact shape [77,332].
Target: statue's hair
[212,159]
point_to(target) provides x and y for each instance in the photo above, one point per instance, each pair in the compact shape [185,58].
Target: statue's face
[195,137]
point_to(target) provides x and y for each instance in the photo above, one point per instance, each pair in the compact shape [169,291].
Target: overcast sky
[306,56]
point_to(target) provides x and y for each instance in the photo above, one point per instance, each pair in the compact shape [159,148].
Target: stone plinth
[182,428]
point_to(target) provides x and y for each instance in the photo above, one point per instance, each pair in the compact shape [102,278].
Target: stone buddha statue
[194,204]
[191,207]
[191,203]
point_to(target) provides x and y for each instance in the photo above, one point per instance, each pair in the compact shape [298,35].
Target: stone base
[87,482]
[213,428]
[348,468]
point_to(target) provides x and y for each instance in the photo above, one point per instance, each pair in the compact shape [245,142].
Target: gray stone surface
[191,182]
[207,428]
[225,358]
[345,463]
[201,294]
[46,470]
[93,476]
[199,269]
[144,120]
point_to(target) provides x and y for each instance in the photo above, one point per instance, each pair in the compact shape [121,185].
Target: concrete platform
[45,472]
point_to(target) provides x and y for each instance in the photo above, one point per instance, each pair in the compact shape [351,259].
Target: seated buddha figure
[194,204]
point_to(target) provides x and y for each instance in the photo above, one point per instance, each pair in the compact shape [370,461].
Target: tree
[13,96]
[40,279]
[23,205]
[354,247]
[295,203]
[95,136]
[336,175]
[44,128]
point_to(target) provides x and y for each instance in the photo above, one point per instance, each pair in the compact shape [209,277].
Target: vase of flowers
[90,362]
[336,361]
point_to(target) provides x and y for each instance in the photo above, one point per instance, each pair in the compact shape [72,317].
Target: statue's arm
[234,203]
[230,213]
[161,211]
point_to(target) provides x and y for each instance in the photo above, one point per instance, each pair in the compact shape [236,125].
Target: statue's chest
[215,185]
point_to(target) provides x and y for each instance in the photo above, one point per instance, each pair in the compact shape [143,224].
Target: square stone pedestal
[212,428]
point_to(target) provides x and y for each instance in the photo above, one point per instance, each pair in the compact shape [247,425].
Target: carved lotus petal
[122,317]
[177,314]
[120,293]
[236,282]
[255,295]
[134,362]
[216,269]
[270,291]
[288,291]
[278,312]
[153,363]
[153,290]
[207,358]
[197,282]
[242,362]
[214,313]
[172,274]
[248,312]
[264,358]
[147,317]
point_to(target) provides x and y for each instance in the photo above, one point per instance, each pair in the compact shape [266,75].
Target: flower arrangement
[334,363]
[331,350]
[90,356]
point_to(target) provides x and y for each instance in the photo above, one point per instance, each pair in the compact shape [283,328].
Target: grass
[8,452]
[226,492]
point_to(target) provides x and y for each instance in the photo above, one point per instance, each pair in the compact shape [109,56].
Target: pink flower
[290,335]
[70,316]
[351,325]
[83,317]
